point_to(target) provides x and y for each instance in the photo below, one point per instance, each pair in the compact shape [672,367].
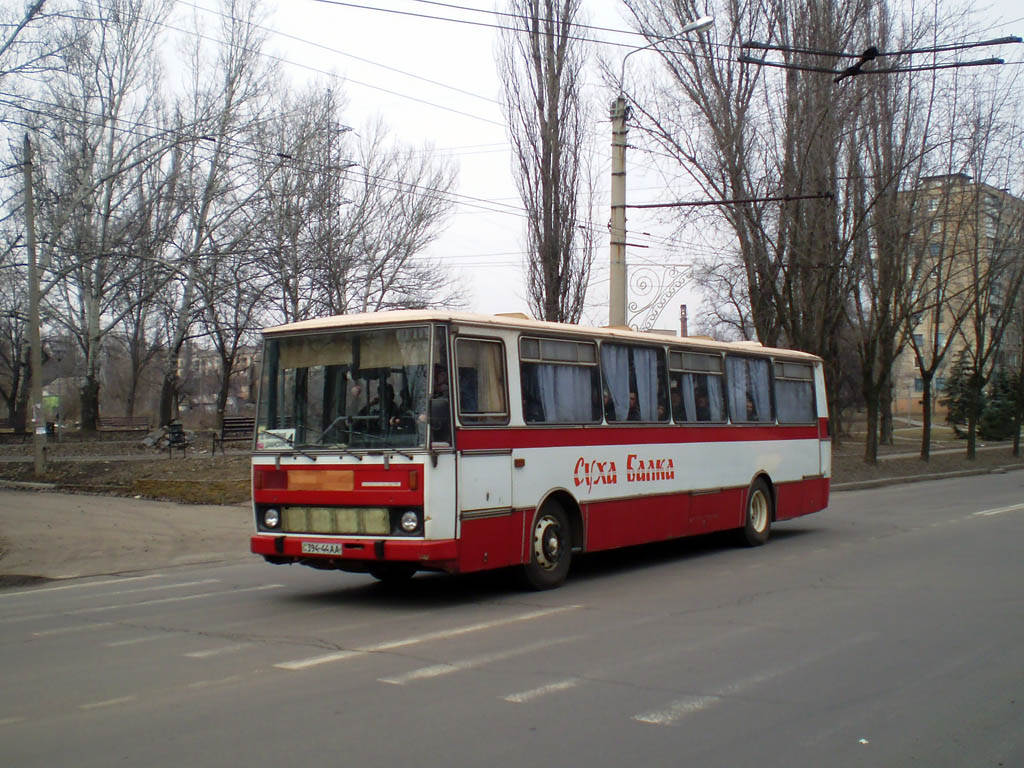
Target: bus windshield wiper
[295,448]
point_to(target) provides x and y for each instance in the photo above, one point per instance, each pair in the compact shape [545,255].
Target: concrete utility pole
[619,115]
[37,420]
[618,276]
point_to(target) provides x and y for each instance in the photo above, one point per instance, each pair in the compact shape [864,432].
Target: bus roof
[516,321]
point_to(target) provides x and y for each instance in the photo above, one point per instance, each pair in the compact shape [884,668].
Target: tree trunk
[871,441]
[89,396]
[926,418]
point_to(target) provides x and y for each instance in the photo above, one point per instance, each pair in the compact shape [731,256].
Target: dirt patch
[200,480]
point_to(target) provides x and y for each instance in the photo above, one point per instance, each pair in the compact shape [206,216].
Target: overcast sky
[435,81]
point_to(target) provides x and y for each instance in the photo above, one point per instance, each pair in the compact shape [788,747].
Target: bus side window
[749,382]
[794,393]
[481,370]
[696,387]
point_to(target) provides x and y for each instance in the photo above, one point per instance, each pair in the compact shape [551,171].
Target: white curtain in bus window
[565,393]
[615,369]
[634,378]
[481,381]
[749,384]
[794,393]
[696,387]
[645,365]
[306,351]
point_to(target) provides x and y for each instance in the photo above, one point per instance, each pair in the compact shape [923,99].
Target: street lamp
[617,289]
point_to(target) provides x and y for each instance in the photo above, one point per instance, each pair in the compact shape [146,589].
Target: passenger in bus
[678,409]
[751,408]
[609,407]
[634,407]
[702,407]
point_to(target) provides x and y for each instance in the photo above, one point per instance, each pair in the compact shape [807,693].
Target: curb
[881,482]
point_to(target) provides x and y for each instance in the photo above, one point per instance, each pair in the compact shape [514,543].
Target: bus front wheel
[757,522]
[550,548]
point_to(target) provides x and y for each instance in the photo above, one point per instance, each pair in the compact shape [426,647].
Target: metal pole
[36,352]
[617,286]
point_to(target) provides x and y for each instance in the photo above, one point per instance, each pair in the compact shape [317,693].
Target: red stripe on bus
[550,437]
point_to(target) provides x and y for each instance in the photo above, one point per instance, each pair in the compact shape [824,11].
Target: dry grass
[126,468]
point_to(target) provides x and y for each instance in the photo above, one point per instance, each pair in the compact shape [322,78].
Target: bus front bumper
[353,554]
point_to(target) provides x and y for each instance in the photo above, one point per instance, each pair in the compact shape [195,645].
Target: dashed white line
[692,704]
[107,703]
[210,683]
[438,670]
[12,720]
[678,709]
[81,585]
[135,641]
[217,651]
[69,630]
[445,634]
[183,598]
[535,693]
[999,511]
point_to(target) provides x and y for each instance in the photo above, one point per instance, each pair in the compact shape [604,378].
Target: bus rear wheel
[550,548]
[757,522]
[393,573]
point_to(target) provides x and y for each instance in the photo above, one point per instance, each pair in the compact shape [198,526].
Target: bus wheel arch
[553,534]
[758,511]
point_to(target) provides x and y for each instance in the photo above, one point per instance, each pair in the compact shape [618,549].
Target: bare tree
[224,97]
[349,221]
[102,133]
[541,62]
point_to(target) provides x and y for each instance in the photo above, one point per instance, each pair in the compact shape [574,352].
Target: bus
[394,442]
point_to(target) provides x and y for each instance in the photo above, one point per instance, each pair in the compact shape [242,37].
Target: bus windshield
[367,389]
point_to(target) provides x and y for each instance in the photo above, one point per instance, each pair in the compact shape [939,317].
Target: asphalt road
[885,631]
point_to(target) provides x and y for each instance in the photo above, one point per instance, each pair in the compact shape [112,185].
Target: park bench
[123,423]
[234,429]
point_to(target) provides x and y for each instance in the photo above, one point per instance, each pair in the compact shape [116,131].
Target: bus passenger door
[489,534]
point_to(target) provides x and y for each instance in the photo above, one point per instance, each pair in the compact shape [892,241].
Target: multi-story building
[969,239]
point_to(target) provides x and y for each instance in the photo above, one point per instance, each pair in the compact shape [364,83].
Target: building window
[919,384]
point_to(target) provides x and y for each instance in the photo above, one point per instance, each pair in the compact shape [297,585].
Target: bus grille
[367,521]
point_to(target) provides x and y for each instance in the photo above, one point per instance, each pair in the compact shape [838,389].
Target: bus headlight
[410,521]
[271,518]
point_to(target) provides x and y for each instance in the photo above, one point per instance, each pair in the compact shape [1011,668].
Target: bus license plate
[320,548]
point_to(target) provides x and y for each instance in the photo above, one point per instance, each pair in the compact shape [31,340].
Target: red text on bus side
[591,473]
[648,470]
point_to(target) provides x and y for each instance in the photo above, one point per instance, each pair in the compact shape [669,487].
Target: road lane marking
[439,670]
[136,641]
[164,600]
[535,693]
[694,703]
[220,681]
[12,720]
[678,709]
[69,630]
[160,588]
[40,590]
[217,651]
[108,703]
[999,511]
[444,634]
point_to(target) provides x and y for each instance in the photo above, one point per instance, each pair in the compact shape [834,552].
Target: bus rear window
[794,393]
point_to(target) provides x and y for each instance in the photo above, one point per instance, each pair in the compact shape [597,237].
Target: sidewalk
[60,535]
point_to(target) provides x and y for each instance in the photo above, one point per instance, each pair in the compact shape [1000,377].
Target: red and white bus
[400,441]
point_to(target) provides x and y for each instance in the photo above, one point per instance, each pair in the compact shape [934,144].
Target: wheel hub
[547,542]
